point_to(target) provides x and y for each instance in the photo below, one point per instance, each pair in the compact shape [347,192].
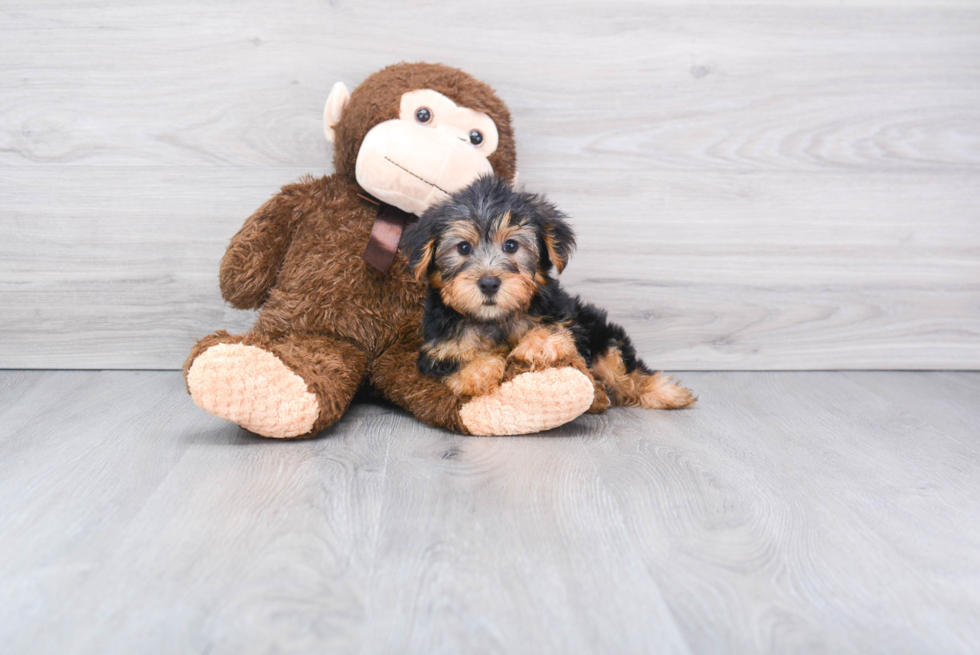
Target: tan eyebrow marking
[463,230]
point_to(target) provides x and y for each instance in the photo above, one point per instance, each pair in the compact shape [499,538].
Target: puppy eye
[423,115]
[464,248]
[476,137]
[510,246]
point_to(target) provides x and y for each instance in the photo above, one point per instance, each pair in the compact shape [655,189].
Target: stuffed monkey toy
[339,305]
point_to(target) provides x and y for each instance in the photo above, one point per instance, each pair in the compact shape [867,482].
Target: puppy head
[488,248]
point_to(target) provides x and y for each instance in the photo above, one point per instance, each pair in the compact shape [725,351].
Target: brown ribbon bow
[385,235]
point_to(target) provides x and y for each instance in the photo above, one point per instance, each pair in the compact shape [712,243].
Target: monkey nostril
[489,284]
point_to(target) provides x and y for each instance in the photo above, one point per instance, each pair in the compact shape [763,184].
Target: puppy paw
[478,377]
[542,347]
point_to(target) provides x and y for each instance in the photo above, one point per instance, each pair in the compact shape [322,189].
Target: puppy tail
[628,381]
[638,388]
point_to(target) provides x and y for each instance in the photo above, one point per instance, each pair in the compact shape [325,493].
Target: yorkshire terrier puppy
[493,308]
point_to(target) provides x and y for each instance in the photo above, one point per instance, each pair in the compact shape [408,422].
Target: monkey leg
[284,387]
[395,373]
[529,402]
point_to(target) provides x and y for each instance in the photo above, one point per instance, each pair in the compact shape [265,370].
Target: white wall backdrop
[775,185]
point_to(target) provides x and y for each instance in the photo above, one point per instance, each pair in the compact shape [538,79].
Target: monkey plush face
[432,149]
[412,134]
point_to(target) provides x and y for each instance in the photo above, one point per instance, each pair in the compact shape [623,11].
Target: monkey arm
[255,254]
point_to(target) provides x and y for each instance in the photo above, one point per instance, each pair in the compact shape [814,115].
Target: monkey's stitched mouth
[434,186]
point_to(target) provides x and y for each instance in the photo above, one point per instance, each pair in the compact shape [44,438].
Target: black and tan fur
[509,241]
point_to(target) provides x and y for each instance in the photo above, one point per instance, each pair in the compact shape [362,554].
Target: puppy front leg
[545,345]
[478,376]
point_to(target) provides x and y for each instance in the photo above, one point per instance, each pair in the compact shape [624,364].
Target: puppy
[493,307]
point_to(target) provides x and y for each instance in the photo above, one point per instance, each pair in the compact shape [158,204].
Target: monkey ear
[556,235]
[420,248]
[336,104]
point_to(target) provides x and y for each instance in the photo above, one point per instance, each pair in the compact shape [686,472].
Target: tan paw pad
[531,402]
[251,387]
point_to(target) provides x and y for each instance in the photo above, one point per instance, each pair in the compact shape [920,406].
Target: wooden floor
[789,184]
[824,512]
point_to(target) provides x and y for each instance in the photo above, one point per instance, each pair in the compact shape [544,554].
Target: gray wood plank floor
[818,512]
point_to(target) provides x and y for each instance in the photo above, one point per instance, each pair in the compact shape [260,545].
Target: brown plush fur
[327,314]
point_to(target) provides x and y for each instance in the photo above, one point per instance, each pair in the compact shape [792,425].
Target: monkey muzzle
[412,167]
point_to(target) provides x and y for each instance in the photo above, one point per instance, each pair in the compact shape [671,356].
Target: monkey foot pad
[253,388]
[529,404]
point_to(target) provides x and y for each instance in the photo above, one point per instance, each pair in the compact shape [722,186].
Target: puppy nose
[489,284]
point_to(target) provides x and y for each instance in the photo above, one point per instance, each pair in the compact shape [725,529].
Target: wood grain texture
[842,285]
[813,493]
[756,185]
[676,85]
[825,512]
[143,515]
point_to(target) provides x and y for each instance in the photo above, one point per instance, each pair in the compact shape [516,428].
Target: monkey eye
[423,115]
[464,248]
[476,137]
[510,246]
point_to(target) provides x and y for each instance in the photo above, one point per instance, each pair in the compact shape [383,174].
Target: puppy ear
[556,234]
[420,247]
